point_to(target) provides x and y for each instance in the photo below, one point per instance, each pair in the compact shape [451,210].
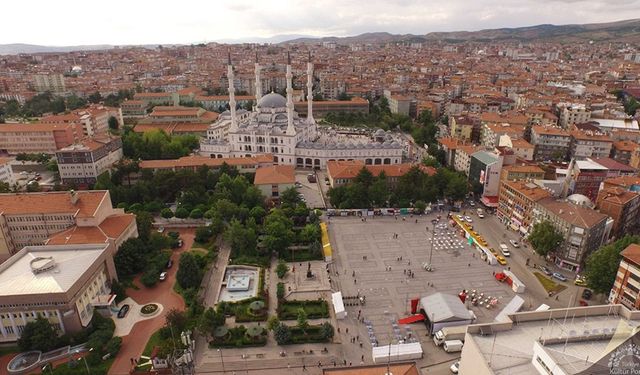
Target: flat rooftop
[47,269]
[576,338]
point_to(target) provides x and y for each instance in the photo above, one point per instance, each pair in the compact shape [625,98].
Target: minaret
[309,90]
[258,81]
[291,130]
[232,96]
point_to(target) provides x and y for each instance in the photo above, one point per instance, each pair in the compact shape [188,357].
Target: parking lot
[309,190]
[383,259]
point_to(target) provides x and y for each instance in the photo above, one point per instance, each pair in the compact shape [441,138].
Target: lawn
[548,284]
[8,349]
[78,367]
[237,337]
[300,255]
[154,340]
[315,309]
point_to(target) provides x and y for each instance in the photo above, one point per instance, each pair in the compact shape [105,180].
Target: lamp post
[433,234]
[221,360]
[47,366]
[86,365]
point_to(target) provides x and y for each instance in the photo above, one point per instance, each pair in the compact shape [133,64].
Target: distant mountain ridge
[626,31]
[622,31]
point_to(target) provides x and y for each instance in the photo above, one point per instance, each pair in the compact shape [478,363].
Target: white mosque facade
[274,127]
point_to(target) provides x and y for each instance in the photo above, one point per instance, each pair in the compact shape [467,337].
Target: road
[495,233]
[133,344]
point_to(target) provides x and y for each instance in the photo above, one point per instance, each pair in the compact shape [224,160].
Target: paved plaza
[371,250]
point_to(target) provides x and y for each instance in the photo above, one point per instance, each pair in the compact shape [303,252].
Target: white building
[6,172]
[274,127]
[49,82]
[82,163]
[571,114]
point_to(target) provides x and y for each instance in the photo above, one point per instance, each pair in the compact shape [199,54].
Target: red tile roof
[52,203]
[275,175]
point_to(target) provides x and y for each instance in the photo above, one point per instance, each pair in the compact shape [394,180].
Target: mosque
[274,127]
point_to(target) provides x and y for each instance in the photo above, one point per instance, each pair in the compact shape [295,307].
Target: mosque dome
[580,200]
[272,100]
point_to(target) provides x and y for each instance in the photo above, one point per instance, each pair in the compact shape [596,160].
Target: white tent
[511,308]
[338,305]
[397,352]
[444,310]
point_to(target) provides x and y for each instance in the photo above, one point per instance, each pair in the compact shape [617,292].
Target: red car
[583,303]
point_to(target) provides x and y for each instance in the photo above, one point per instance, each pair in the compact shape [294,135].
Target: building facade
[623,207]
[626,287]
[551,143]
[63,284]
[49,82]
[516,202]
[37,138]
[81,163]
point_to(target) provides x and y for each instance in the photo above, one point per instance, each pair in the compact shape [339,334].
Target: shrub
[166,213]
[182,213]
[282,334]
[280,290]
[282,269]
[203,234]
[196,213]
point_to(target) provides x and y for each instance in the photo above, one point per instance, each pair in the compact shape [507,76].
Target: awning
[490,201]
[411,319]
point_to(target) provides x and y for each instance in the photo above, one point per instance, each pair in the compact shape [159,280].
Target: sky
[120,22]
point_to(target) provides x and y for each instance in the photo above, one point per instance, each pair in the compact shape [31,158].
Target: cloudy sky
[75,22]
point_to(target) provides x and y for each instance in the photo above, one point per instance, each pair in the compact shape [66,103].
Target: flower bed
[237,337]
[149,309]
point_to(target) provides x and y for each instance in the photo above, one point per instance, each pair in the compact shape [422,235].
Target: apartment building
[626,287]
[574,340]
[6,171]
[587,176]
[220,103]
[65,284]
[584,230]
[571,114]
[589,144]
[623,207]
[37,138]
[449,146]
[634,160]
[630,183]
[463,128]
[551,143]
[622,150]
[134,108]
[519,172]
[516,201]
[94,119]
[36,218]
[344,172]
[398,103]
[49,82]
[321,108]
[521,148]
[81,163]
[462,161]
[491,133]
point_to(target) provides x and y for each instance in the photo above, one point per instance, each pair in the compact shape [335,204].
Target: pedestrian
[362,358]
[358,337]
[349,364]
[360,345]
[400,258]
[494,273]
[557,297]
[338,329]
[404,271]
[353,274]
[319,364]
[469,265]
[355,281]
[345,362]
[347,330]
[304,367]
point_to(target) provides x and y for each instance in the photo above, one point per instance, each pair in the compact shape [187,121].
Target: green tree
[144,221]
[113,123]
[326,331]
[209,321]
[302,320]
[196,213]
[38,335]
[282,269]
[290,197]
[278,233]
[273,322]
[602,265]
[176,319]
[189,274]
[75,102]
[310,233]
[419,207]
[95,98]
[203,234]
[182,213]
[282,334]
[545,238]
[166,213]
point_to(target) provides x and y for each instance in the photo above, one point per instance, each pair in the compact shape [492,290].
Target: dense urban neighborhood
[330,206]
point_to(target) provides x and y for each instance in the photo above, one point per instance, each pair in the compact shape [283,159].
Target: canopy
[411,319]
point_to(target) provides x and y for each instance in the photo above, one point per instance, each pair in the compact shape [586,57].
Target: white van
[452,346]
[480,213]
[505,250]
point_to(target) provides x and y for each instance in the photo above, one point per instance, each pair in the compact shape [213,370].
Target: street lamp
[47,366]
[86,365]
[433,234]
[221,360]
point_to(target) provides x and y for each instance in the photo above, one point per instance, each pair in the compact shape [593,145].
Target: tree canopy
[602,265]
[545,238]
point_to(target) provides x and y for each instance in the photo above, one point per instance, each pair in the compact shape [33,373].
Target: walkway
[134,343]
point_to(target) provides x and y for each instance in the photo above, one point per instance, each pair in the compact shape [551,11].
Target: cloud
[146,21]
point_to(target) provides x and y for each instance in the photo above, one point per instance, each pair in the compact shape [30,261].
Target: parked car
[480,215]
[472,203]
[311,177]
[123,311]
[559,276]
[180,242]
[580,281]
[583,303]
[455,367]
[169,263]
[163,276]
[174,235]
[514,243]
[493,251]
[468,219]
[501,260]
[546,270]
[161,229]
[586,294]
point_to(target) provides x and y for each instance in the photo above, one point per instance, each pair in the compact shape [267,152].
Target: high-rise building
[49,82]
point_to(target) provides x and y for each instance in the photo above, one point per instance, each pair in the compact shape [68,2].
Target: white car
[161,229]
[480,215]
[468,219]
[472,204]
[455,367]
[163,276]
[514,243]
